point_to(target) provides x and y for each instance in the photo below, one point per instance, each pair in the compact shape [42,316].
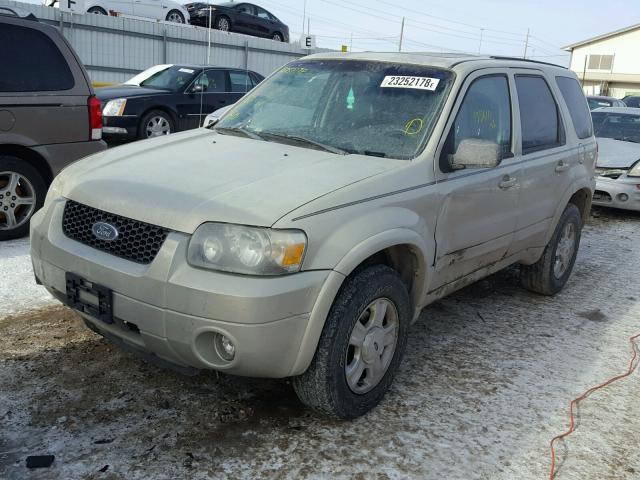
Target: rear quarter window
[574,98]
[31,62]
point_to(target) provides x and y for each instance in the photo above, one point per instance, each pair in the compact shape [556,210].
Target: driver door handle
[508,182]
[562,166]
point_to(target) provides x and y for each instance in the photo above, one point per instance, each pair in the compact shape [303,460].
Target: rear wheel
[22,192]
[175,16]
[155,124]
[277,37]
[550,274]
[361,345]
[97,11]
[223,23]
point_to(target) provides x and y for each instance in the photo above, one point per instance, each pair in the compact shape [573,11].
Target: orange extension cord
[574,403]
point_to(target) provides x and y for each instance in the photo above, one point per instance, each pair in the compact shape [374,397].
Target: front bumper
[120,128]
[177,309]
[620,193]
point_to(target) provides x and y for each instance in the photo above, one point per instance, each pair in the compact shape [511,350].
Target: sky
[441,25]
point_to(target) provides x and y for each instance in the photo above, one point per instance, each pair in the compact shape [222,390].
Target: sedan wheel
[17,200]
[175,17]
[223,24]
[277,37]
[157,126]
[97,11]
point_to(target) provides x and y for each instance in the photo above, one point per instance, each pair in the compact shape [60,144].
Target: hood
[616,153]
[189,178]
[126,91]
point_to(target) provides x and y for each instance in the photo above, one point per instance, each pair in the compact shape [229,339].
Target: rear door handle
[507,182]
[562,167]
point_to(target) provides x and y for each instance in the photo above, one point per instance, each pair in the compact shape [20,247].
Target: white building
[609,64]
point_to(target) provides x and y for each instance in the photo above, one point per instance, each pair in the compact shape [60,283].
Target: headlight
[635,170]
[248,250]
[114,108]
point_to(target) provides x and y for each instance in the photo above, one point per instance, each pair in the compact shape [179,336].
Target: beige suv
[302,234]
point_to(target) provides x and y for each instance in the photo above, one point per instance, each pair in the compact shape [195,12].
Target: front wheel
[97,11]
[175,16]
[155,124]
[550,274]
[22,192]
[361,345]
[277,37]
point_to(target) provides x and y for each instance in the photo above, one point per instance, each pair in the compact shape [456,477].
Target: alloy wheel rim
[223,25]
[175,17]
[17,200]
[565,250]
[372,345]
[158,126]
[277,37]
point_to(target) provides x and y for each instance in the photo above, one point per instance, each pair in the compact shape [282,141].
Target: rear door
[245,19]
[240,82]
[479,206]
[264,25]
[43,89]
[149,9]
[545,156]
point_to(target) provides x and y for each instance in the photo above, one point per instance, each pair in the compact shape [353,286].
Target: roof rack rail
[499,57]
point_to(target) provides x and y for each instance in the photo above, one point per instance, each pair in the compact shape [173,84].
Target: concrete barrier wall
[113,49]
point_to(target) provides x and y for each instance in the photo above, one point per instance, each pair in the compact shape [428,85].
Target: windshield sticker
[294,70]
[186,70]
[401,81]
[351,99]
[413,127]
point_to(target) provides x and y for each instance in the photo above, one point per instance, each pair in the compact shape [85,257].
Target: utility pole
[401,35]
[526,44]
[304,15]
[209,37]
[309,26]
[351,43]
[480,44]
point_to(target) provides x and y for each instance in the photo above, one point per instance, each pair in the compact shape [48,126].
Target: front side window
[371,108]
[212,81]
[574,98]
[485,114]
[31,62]
[619,126]
[539,115]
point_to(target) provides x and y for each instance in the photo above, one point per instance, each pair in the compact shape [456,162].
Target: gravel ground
[485,385]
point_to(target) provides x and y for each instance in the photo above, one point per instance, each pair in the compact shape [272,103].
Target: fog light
[225,347]
[623,197]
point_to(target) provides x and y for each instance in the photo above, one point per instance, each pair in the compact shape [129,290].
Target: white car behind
[167,10]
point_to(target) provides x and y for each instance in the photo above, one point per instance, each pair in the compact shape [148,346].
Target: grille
[136,241]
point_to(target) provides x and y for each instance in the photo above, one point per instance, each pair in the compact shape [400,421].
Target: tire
[544,276]
[175,16]
[30,184]
[324,386]
[97,11]
[222,23]
[163,121]
[277,37]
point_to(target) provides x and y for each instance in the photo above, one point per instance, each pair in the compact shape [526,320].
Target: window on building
[600,62]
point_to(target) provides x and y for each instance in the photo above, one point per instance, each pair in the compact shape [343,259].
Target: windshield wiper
[234,130]
[306,141]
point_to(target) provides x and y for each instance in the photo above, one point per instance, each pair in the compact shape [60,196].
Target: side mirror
[199,88]
[475,153]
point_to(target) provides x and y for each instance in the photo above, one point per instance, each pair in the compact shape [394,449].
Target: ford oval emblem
[104,231]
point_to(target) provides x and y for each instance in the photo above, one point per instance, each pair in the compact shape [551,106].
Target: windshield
[371,108]
[175,78]
[597,103]
[619,126]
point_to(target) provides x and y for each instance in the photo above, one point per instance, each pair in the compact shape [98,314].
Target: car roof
[627,110]
[451,61]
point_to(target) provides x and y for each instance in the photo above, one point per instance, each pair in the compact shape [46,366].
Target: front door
[479,208]
[207,94]
[245,18]
[149,9]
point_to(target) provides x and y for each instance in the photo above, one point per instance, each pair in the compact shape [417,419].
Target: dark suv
[49,116]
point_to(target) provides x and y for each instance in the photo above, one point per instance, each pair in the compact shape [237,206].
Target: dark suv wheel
[22,192]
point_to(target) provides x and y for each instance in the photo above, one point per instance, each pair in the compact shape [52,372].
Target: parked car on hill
[617,131]
[239,17]
[168,10]
[599,101]
[172,99]
[632,101]
[49,116]
[303,233]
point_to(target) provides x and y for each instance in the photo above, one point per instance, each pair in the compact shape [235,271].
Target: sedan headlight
[247,250]
[114,108]
[634,171]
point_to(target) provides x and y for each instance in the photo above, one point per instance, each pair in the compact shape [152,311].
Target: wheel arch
[579,194]
[36,160]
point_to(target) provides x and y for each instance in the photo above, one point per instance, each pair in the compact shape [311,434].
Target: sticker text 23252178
[402,81]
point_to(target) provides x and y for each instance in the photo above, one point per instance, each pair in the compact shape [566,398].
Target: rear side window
[240,81]
[31,62]
[574,98]
[539,116]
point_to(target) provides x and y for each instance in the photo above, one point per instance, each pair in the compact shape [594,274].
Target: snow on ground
[18,288]
[486,383]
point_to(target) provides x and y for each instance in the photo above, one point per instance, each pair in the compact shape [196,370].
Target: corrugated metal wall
[113,49]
